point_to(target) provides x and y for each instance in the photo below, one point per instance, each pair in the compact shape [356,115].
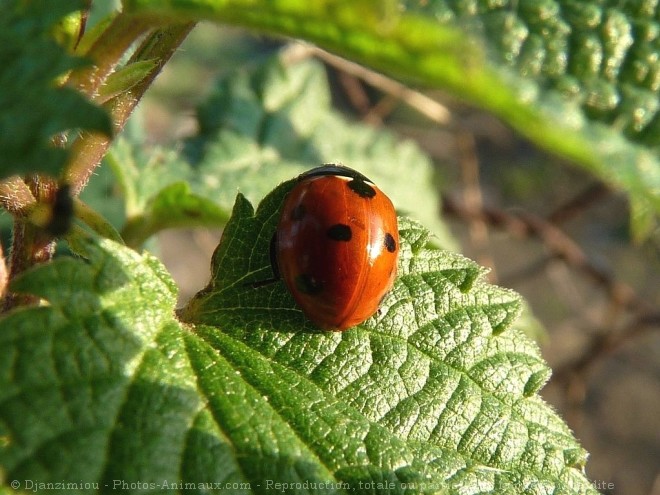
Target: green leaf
[435,394]
[33,108]
[125,78]
[439,330]
[580,78]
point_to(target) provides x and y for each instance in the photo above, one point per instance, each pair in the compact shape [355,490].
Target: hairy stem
[88,150]
[32,244]
[15,195]
[106,52]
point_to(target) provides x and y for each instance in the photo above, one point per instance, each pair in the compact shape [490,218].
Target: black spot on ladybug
[298,213]
[361,188]
[307,284]
[340,232]
[390,243]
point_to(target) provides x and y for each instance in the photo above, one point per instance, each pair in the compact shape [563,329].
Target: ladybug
[336,246]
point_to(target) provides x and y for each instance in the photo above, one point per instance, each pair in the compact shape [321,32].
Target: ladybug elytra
[336,246]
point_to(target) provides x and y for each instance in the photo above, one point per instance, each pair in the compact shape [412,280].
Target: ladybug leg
[379,311]
[273,263]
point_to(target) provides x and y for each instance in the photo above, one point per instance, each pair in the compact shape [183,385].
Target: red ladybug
[336,246]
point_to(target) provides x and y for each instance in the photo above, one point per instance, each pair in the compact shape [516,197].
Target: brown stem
[106,52]
[31,244]
[355,92]
[15,195]
[578,204]
[88,150]
[604,344]
[415,99]
[473,200]
[555,240]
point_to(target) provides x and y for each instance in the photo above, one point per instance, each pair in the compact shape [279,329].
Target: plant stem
[106,52]
[88,150]
[15,195]
[31,244]
[417,100]
[95,221]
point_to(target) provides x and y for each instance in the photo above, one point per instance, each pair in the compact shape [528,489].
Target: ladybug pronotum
[336,246]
